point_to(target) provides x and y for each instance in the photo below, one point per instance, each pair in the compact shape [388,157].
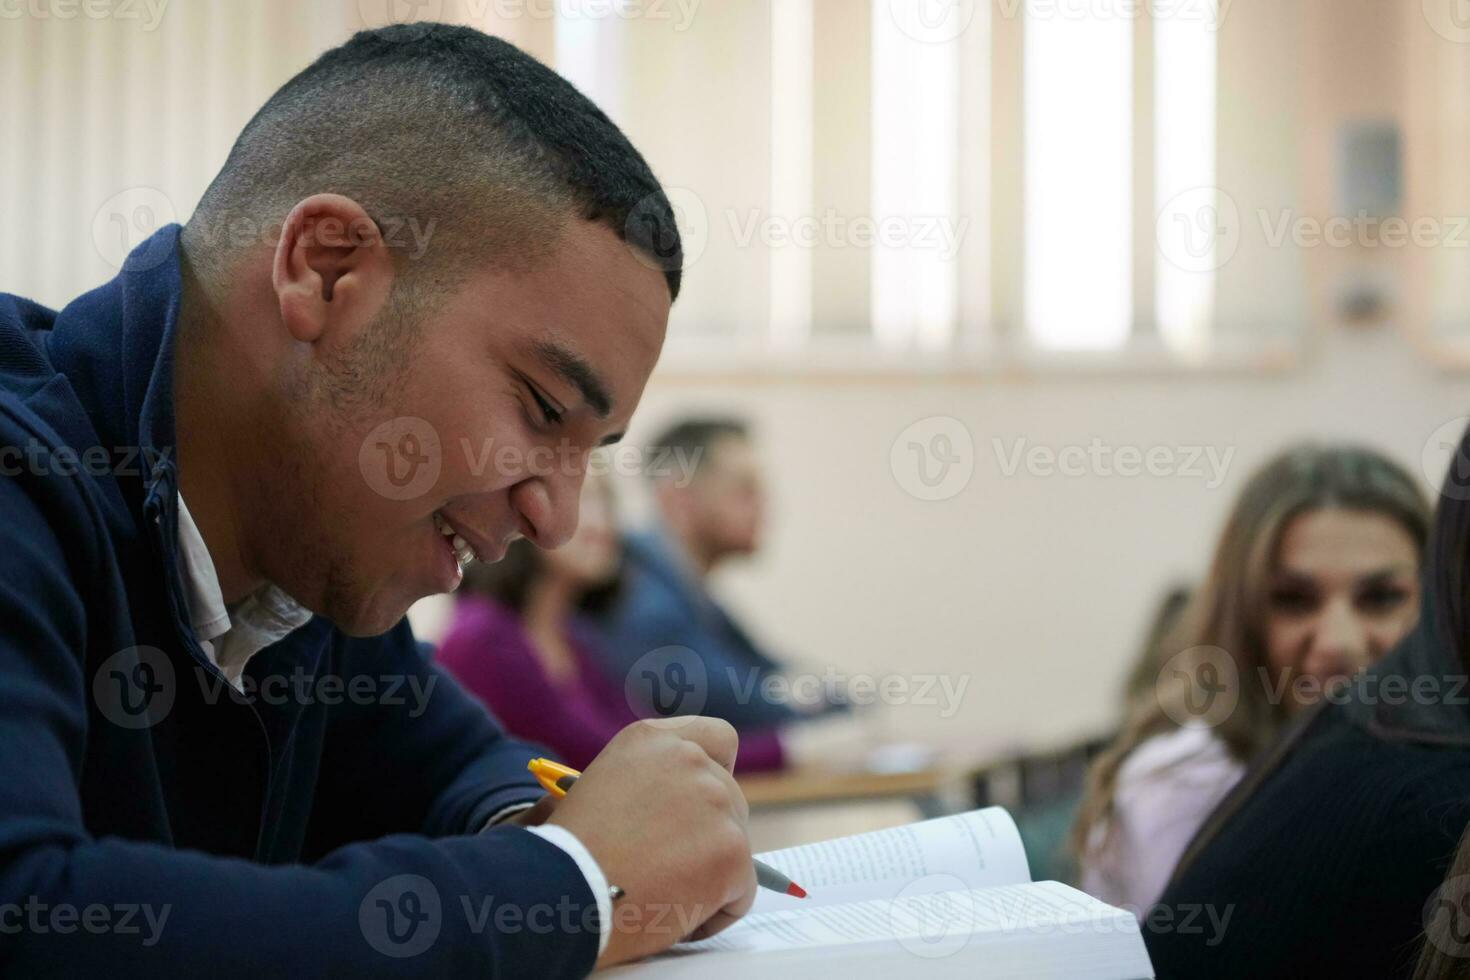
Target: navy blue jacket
[671,646]
[154,822]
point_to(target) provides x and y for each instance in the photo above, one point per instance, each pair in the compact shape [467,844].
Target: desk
[935,792]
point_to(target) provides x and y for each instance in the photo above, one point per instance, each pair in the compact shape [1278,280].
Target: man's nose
[549,506]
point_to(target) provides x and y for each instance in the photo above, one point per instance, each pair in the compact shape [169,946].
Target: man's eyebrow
[575,370]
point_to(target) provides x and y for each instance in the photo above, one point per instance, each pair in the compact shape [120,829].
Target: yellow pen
[556,779]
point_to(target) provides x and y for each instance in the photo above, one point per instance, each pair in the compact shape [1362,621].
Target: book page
[1055,924]
[971,850]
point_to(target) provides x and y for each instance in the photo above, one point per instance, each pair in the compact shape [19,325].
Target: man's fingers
[716,736]
[734,910]
[723,919]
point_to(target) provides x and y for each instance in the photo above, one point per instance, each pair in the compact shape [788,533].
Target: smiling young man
[290,428]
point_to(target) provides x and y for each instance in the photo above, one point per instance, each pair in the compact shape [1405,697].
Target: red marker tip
[795,890]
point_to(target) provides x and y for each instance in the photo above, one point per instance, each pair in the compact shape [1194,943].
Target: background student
[1330,849]
[1314,576]
[710,502]
[520,641]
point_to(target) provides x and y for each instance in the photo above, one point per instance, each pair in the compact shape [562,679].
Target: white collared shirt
[231,635]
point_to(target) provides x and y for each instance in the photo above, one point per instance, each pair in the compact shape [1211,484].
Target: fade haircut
[484,149]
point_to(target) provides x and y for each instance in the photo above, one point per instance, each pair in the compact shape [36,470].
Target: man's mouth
[463,552]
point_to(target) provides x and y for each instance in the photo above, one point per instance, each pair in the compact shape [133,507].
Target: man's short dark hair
[691,438]
[444,124]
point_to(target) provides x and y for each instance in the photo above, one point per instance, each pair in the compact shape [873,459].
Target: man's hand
[663,817]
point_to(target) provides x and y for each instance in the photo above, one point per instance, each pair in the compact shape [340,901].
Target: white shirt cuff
[596,880]
[505,813]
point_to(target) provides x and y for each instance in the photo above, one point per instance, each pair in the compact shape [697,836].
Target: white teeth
[463,553]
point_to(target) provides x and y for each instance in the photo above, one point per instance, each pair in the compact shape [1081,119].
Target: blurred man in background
[670,642]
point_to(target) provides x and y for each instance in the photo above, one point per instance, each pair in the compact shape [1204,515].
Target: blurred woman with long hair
[1314,577]
[1330,855]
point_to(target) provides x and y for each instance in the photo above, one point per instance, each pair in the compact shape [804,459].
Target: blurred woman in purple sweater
[519,643]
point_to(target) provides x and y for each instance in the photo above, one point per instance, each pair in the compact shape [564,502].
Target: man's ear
[332,272]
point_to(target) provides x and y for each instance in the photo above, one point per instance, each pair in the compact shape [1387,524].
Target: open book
[951,897]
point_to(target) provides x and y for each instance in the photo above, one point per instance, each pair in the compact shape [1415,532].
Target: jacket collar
[115,344]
